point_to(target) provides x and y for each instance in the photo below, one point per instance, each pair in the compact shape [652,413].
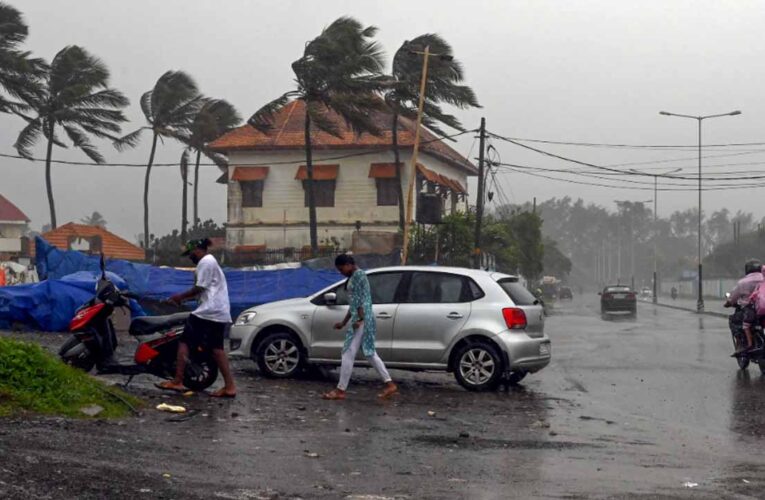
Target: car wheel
[279,355]
[478,366]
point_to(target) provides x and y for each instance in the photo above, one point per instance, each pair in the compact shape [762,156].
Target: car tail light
[607,296]
[630,295]
[515,318]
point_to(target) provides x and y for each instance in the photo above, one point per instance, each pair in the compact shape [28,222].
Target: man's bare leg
[180,367]
[229,387]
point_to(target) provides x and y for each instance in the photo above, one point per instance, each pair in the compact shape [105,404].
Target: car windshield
[517,292]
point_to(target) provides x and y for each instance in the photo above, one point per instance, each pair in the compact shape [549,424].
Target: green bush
[33,380]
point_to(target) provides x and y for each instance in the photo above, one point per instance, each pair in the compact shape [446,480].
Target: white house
[354,178]
[13,225]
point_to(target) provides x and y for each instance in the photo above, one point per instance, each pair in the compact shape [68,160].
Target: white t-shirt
[213,301]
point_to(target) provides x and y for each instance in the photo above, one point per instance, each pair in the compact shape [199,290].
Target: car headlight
[245,318]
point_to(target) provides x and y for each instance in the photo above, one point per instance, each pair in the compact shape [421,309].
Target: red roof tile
[113,246]
[10,212]
[287,134]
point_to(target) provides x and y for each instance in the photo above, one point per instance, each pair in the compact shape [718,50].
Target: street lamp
[700,301]
[416,147]
[655,227]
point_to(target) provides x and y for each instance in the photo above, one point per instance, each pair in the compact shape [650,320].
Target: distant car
[565,293]
[646,293]
[618,300]
[477,324]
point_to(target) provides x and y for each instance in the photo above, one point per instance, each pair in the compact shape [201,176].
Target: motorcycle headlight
[245,318]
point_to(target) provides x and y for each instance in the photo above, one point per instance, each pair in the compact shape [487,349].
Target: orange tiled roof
[287,133]
[249,173]
[113,246]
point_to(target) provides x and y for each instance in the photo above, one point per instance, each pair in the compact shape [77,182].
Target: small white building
[13,226]
[354,179]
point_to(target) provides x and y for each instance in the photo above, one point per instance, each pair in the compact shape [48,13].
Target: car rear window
[618,289]
[517,292]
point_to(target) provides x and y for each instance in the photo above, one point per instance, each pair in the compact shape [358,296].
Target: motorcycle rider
[739,298]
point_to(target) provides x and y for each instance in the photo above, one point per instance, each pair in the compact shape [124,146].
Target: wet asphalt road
[627,409]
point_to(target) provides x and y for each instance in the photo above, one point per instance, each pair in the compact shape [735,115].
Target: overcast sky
[590,71]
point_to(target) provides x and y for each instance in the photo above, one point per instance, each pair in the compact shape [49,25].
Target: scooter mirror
[102,265]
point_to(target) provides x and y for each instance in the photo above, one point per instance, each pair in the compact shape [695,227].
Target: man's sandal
[334,395]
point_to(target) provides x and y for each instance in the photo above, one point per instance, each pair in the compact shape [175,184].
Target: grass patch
[32,380]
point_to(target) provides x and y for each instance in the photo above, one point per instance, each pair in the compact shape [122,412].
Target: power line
[629,146]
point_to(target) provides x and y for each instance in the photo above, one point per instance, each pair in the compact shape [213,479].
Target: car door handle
[384,316]
[454,315]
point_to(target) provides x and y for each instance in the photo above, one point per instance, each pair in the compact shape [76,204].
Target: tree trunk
[309,186]
[146,193]
[396,159]
[48,184]
[196,190]
[185,202]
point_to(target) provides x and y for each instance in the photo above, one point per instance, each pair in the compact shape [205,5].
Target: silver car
[482,326]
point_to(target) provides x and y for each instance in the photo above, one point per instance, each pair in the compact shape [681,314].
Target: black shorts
[203,332]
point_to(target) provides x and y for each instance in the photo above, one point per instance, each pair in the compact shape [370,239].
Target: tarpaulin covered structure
[50,305]
[45,305]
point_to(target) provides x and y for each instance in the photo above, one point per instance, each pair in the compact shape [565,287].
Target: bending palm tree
[335,74]
[19,73]
[169,109]
[403,92]
[215,118]
[75,96]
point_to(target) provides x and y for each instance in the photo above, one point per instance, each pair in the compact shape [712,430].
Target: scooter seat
[146,325]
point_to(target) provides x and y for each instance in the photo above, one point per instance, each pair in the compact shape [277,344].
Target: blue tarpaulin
[50,305]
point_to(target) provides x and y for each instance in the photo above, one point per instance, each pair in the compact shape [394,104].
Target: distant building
[354,178]
[92,240]
[13,225]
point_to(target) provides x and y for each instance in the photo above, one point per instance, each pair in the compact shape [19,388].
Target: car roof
[444,269]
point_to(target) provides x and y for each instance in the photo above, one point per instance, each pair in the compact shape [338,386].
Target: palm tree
[336,74]
[94,219]
[403,92]
[214,118]
[19,73]
[74,95]
[169,108]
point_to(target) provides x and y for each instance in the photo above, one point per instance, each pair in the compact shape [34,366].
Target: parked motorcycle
[94,341]
[754,355]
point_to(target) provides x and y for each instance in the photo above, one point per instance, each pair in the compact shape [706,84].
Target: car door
[327,342]
[433,309]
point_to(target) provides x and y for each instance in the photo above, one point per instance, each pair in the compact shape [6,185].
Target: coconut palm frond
[80,141]
[130,140]
[27,138]
[262,119]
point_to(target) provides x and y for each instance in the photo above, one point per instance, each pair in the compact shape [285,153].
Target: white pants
[350,355]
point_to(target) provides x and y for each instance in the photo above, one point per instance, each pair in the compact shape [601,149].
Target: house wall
[10,236]
[283,219]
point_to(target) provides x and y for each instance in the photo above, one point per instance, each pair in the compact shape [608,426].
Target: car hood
[279,304]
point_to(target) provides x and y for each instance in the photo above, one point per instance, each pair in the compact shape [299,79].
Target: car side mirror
[330,298]
[600,293]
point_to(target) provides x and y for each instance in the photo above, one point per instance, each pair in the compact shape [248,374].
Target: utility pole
[415,151]
[479,199]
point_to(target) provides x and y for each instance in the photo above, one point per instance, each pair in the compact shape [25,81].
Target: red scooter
[94,341]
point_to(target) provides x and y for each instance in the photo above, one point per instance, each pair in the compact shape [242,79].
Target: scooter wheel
[74,353]
[201,372]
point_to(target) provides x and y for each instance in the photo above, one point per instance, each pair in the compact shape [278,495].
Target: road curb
[680,308]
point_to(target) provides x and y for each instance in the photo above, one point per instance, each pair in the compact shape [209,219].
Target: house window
[387,192]
[323,193]
[252,193]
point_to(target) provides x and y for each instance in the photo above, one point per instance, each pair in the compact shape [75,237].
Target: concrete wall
[716,288]
[283,219]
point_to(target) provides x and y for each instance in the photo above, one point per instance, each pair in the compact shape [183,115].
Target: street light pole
[700,300]
[655,226]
